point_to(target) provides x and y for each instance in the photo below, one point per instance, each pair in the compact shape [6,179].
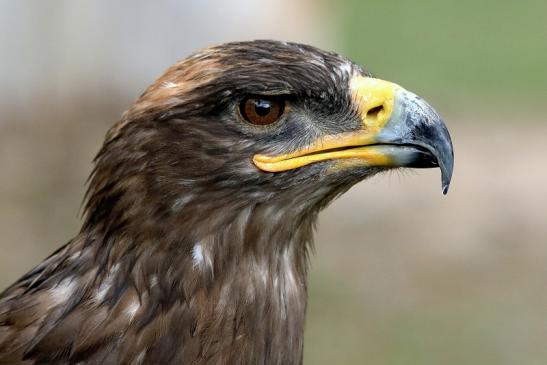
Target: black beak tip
[446,174]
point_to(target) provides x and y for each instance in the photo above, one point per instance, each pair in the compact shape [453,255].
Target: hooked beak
[399,129]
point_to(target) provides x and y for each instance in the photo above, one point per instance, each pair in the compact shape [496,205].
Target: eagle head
[249,123]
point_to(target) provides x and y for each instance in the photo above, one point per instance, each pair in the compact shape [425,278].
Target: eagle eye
[262,110]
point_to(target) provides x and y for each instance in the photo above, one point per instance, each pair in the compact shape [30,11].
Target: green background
[485,53]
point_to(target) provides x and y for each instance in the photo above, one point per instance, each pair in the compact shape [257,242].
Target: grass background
[487,54]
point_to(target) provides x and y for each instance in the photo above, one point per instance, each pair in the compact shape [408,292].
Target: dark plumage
[193,249]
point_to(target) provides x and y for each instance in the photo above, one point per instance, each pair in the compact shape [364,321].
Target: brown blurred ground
[401,274]
[417,278]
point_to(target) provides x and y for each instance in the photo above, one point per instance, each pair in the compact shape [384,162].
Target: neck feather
[239,288]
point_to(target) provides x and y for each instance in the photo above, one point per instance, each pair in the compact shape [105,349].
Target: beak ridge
[414,122]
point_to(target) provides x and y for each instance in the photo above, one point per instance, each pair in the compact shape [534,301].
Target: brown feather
[188,254]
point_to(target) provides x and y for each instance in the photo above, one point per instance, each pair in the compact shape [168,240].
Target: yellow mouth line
[368,154]
[351,145]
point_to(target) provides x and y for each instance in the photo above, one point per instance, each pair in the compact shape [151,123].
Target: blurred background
[401,274]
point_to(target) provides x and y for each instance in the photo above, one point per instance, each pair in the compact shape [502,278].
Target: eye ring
[262,109]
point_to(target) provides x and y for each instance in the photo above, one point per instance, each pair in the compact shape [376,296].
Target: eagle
[201,206]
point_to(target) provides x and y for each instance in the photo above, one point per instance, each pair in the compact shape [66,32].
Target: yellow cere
[370,93]
[374,99]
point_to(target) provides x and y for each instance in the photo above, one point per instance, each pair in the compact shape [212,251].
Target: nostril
[373,112]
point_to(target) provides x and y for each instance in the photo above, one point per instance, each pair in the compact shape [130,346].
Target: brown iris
[262,110]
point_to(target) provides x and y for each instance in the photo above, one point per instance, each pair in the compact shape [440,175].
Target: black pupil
[263,107]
